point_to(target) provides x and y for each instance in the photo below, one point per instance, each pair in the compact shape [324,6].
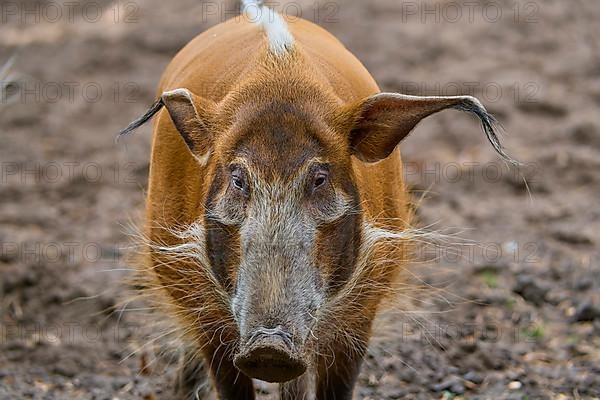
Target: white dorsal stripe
[279,37]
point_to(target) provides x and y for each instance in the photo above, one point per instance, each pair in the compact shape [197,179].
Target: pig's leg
[298,389]
[192,381]
[336,380]
[228,381]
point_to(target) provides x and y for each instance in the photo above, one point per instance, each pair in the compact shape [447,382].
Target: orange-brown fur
[233,78]
[229,93]
[277,219]
[230,65]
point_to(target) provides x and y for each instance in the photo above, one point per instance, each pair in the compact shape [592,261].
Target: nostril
[272,332]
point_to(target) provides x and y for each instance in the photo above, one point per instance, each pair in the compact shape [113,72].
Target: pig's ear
[378,123]
[190,114]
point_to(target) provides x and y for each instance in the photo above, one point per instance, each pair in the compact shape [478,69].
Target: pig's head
[282,214]
[283,227]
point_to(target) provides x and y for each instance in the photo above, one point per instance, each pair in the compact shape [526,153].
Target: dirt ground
[511,308]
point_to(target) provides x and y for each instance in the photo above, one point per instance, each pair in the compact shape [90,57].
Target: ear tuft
[489,124]
[381,121]
[156,107]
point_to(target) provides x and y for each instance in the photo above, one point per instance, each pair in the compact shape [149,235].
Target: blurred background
[513,310]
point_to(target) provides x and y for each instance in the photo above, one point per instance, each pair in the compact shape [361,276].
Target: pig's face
[282,229]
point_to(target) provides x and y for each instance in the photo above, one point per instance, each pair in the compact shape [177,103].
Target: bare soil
[509,300]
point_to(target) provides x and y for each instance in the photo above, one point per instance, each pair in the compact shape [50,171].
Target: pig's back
[221,57]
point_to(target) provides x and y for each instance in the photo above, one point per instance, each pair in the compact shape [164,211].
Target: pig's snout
[270,355]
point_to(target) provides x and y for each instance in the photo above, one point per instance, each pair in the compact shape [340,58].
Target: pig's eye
[237,179]
[238,183]
[320,178]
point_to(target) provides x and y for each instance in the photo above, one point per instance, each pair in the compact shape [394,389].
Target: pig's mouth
[270,355]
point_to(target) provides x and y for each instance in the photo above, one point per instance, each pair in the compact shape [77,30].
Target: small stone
[447,385]
[528,288]
[394,393]
[67,368]
[407,375]
[572,236]
[457,388]
[586,311]
[586,133]
[29,392]
[391,363]
[468,346]
[583,283]
[120,382]
[373,381]
[473,376]
[515,385]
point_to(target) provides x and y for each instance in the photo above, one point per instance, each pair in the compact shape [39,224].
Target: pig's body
[221,60]
[277,216]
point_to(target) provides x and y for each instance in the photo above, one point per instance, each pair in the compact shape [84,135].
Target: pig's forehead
[279,150]
[279,146]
